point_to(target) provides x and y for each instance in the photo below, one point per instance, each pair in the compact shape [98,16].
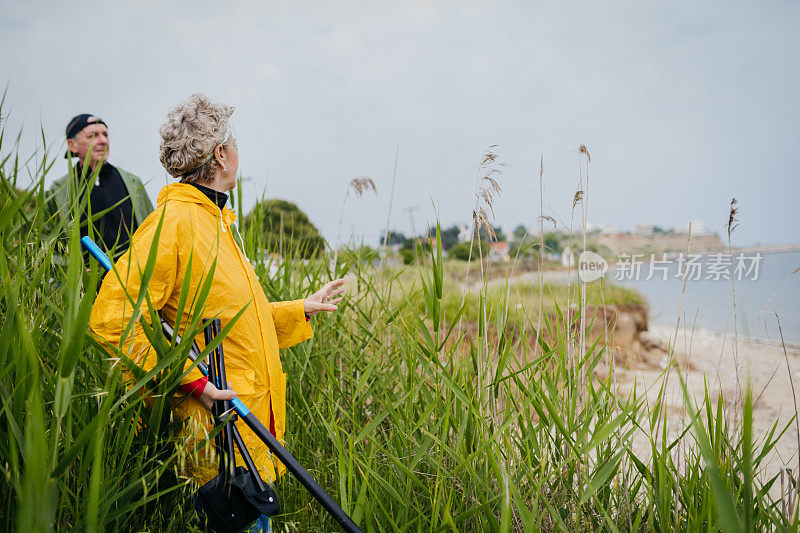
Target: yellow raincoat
[194,226]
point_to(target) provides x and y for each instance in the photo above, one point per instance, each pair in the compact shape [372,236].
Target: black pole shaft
[248,460]
[219,439]
[301,474]
[232,434]
[222,384]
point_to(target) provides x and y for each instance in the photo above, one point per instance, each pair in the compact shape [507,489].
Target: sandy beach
[708,356]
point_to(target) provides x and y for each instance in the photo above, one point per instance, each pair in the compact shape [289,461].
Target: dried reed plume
[548,218]
[732,224]
[732,220]
[486,189]
[578,198]
[358,186]
[481,220]
[361,185]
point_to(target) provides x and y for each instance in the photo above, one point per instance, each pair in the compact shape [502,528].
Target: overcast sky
[681,105]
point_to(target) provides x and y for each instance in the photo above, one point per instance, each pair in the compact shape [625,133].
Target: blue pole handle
[240,408]
[97,253]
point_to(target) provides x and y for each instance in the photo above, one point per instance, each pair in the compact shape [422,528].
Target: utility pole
[411,218]
[413,230]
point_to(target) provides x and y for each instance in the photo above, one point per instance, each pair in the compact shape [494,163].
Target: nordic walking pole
[258,428]
[231,429]
[212,329]
[217,408]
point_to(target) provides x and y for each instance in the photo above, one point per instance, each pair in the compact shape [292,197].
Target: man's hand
[211,394]
[324,299]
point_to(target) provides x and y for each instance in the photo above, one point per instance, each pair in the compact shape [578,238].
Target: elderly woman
[197,147]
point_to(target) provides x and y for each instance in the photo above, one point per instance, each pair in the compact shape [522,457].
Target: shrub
[461,250]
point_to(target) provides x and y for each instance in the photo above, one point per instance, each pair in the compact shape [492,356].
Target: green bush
[524,249]
[279,226]
[408,255]
[462,250]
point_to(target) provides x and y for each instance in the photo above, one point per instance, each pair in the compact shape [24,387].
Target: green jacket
[58,197]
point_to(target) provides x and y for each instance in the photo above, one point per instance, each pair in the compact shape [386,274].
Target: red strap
[195,388]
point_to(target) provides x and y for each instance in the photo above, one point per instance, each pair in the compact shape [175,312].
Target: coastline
[706,358]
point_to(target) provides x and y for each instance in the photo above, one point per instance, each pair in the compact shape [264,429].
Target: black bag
[230,505]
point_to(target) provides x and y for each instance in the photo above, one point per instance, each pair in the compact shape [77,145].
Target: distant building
[428,240]
[567,257]
[607,229]
[464,233]
[498,251]
[643,229]
[698,228]
[391,249]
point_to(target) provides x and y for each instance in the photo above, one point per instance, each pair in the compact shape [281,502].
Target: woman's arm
[209,392]
[291,325]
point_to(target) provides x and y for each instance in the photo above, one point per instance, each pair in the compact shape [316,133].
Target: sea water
[708,300]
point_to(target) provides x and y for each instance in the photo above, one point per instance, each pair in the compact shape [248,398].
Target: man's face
[94,136]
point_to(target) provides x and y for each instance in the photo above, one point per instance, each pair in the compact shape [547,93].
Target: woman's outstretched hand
[324,299]
[211,394]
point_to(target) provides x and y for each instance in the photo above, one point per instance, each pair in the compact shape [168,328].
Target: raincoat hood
[183,192]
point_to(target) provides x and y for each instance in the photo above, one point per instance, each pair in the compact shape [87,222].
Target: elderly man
[114,188]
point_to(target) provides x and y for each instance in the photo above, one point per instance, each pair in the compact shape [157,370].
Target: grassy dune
[400,406]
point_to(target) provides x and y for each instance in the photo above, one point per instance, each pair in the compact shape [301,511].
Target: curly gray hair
[188,138]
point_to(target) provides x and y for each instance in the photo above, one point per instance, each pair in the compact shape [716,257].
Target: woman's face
[231,160]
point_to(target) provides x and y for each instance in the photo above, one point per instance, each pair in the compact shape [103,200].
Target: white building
[498,251]
[464,233]
[608,229]
[567,257]
[698,228]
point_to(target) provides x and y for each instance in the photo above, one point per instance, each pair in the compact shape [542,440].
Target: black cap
[79,122]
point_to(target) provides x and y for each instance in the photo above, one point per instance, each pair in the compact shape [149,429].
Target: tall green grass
[79,451]
[412,422]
